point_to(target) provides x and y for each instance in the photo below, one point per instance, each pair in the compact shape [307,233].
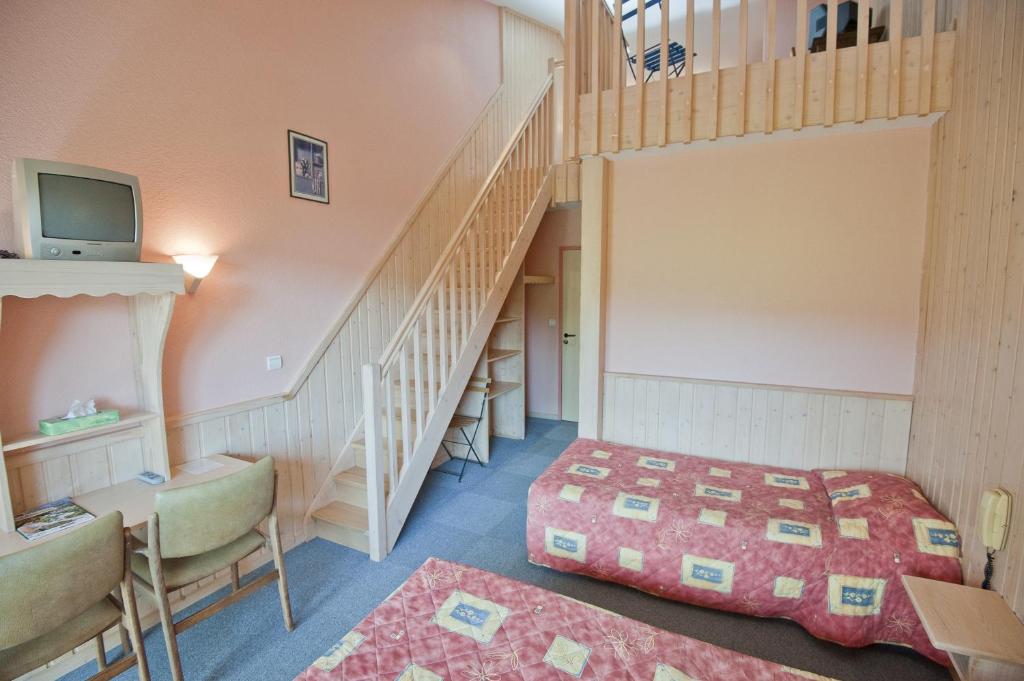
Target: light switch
[273,362]
[552,323]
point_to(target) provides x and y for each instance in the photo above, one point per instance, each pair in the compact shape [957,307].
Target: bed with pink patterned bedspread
[457,623]
[825,548]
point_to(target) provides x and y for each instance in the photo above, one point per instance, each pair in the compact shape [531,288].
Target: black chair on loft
[460,423]
[652,55]
[652,60]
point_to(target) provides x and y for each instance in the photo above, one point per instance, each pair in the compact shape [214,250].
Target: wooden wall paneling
[320,451]
[239,433]
[192,443]
[968,431]
[779,426]
[773,428]
[57,476]
[814,423]
[126,460]
[794,428]
[296,472]
[91,471]
[276,436]
[759,426]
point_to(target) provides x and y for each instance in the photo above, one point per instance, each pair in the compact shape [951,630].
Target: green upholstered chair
[199,530]
[56,596]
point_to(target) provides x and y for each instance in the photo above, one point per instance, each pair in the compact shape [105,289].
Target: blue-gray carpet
[481,522]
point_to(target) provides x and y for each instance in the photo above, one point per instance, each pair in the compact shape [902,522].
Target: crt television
[64,211]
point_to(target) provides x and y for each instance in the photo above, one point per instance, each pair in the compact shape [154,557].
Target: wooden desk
[982,635]
[134,499]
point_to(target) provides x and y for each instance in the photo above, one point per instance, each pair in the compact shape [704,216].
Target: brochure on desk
[50,518]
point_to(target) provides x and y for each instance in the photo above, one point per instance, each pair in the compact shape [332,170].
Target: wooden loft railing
[909,72]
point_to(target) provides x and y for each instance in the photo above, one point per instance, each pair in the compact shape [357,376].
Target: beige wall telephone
[994,521]
[995,518]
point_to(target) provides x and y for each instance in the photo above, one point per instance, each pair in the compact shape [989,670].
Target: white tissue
[78,409]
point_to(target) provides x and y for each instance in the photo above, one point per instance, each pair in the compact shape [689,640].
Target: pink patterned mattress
[457,623]
[825,548]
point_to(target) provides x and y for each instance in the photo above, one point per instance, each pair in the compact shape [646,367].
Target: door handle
[568,335]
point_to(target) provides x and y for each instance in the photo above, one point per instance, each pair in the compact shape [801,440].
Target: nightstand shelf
[977,628]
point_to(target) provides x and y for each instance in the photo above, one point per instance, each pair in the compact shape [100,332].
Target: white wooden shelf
[150,289]
[494,354]
[35,278]
[36,440]
[973,625]
[499,388]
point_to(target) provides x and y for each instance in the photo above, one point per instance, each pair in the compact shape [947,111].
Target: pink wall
[195,98]
[557,229]
[792,262]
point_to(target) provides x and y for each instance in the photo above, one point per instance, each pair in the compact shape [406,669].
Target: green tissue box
[60,426]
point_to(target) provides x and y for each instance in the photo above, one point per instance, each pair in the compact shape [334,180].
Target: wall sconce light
[196,268]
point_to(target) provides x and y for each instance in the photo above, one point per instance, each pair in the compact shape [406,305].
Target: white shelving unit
[139,440]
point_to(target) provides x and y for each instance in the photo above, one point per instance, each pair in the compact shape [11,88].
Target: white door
[570,335]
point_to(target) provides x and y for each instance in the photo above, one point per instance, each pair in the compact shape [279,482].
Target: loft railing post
[375,502]
[570,86]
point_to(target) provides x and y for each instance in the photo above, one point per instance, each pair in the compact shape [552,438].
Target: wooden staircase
[345,520]
[411,393]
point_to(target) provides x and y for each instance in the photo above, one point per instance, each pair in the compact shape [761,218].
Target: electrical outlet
[552,323]
[273,362]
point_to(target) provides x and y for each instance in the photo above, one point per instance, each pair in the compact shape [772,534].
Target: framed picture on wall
[307,157]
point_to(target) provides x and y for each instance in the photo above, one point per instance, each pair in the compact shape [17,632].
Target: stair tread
[494,354]
[345,515]
[357,476]
[361,444]
[501,387]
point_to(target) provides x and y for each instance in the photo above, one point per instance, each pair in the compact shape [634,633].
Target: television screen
[85,209]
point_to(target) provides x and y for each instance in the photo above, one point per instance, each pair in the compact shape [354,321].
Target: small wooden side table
[977,628]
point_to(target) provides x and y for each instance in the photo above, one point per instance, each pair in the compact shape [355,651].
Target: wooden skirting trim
[770,386]
[194,417]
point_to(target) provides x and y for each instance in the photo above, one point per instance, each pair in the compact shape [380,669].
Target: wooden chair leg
[234,577]
[101,653]
[166,618]
[282,580]
[131,617]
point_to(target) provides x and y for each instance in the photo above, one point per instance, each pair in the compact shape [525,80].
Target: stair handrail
[430,284]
